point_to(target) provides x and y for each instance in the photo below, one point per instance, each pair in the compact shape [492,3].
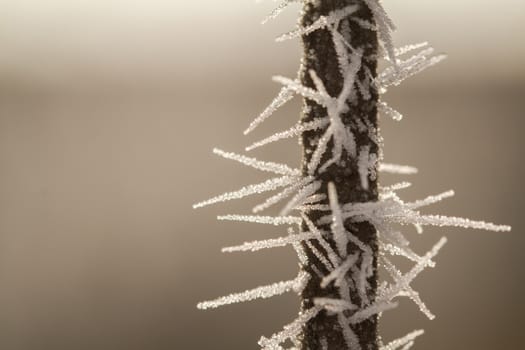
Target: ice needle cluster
[299,193]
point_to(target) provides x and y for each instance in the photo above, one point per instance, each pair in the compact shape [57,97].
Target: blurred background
[109,110]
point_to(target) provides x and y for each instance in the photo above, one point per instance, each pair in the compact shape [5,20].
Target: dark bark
[320,56]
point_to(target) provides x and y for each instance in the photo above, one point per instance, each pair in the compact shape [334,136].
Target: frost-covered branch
[341,223]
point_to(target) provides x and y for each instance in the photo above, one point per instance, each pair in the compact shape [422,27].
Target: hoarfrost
[259,219]
[270,243]
[272,167]
[407,339]
[296,130]
[348,271]
[277,11]
[282,98]
[263,292]
[397,169]
[268,185]
[290,331]
[385,109]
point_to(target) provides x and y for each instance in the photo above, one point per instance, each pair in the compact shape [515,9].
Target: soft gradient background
[108,113]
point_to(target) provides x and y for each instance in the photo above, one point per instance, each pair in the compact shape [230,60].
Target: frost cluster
[347,272]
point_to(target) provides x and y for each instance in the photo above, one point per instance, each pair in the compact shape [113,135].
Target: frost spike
[402,282]
[338,274]
[430,200]
[268,185]
[257,164]
[277,11]
[263,292]
[282,98]
[302,90]
[290,331]
[385,109]
[411,293]
[439,220]
[409,338]
[269,220]
[269,243]
[397,169]
[298,186]
[295,130]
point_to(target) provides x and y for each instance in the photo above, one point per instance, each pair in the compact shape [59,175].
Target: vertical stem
[361,118]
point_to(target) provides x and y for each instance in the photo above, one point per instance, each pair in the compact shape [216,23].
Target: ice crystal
[300,186]
[270,220]
[327,238]
[404,69]
[270,243]
[385,109]
[397,169]
[277,11]
[302,196]
[284,96]
[295,130]
[339,273]
[404,341]
[385,26]
[262,292]
[290,331]
[276,168]
[268,185]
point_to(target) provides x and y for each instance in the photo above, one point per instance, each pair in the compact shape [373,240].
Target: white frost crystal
[349,272]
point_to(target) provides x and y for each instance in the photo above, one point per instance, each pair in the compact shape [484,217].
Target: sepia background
[108,113]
